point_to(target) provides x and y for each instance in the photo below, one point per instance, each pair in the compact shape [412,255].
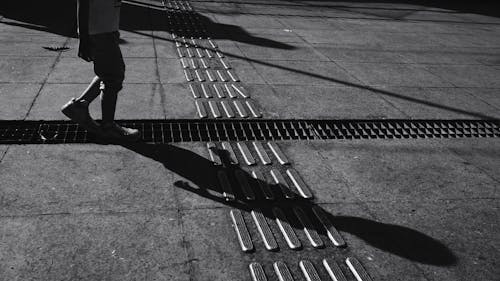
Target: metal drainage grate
[166,131]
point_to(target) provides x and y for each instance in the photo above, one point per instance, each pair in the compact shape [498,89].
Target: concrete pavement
[408,209]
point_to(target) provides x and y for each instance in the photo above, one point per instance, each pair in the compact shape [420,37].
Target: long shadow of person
[201,179]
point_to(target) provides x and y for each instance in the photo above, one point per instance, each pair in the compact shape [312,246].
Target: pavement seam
[183,210]
[365,208]
[356,78]
[471,93]
[355,85]
[186,245]
[157,73]
[359,86]
[483,171]
[2,156]
[51,69]
[245,58]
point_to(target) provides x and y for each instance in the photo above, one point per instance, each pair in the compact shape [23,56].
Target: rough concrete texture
[408,209]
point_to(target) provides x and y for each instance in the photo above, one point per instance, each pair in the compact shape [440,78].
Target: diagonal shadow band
[201,178]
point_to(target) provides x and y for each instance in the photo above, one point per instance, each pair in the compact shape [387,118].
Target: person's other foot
[113,131]
[78,111]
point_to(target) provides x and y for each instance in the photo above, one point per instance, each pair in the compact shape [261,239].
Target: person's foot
[78,111]
[113,131]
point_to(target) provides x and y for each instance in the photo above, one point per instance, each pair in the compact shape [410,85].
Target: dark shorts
[108,60]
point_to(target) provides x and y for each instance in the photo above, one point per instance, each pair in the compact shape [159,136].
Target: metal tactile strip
[227,109]
[280,181]
[212,148]
[200,108]
[278,153]
[257,272]
[240,109]
[247,190]
[255,113]
[264,230]
[285,228]
[282,271]
[241,231]
[357,269]
[334,270]
[229,149]
[332,232]
[308,228]
[227,190]
[247,156]
[299,184]
[264,158]
[264,186]
[240,91]
[214,109]
[309,271]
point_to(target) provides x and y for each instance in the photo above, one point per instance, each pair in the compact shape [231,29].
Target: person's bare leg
[108,104]
[78,109]
[92,91]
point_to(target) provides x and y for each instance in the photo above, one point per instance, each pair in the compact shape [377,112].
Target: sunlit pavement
[407,208]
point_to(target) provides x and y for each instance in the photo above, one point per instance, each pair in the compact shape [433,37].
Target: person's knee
[114,83]
[113,86]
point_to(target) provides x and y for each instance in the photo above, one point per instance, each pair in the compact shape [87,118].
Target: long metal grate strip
[168,131]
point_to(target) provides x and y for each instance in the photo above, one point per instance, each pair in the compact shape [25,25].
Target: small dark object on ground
[56,48]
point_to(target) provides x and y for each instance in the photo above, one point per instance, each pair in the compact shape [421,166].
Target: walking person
[98,24]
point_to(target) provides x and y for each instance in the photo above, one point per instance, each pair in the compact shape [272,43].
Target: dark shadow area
[201,179]
[59,17]
[54,16]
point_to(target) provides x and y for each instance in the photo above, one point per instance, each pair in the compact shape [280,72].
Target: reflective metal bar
[334,270]
[264,230]
[194,91]
[357,269]
[332,232]
[211,147]
[245,186]
[264,186]
[282,159]
[264,158]
[202,113]
[308,228]
[255,113]
[206,91]
[241,231]
[240,91]
[257,272]
[309,271]
[232,156]
[227,109]
[282,271]
[241,110]
[227,190]
[247,156]
[215,109]
[299,184]
[287,231]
